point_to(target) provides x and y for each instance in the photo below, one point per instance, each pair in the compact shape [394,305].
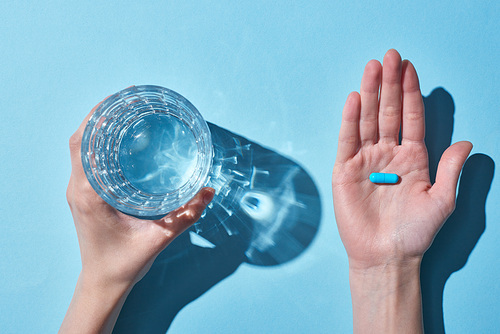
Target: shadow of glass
[266,212]
[461,232]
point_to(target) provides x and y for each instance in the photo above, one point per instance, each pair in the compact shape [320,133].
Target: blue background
[277,73]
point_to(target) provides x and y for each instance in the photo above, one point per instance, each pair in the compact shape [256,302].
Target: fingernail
[208,195]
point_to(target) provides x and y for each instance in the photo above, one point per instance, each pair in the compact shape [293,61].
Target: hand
[116,249]
[387,228]
[381,224]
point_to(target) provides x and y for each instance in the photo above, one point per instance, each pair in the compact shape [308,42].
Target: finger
[389,119]
[370,86]
[180,219]
[449,167]
[349,129]
[413,125]
[75,144]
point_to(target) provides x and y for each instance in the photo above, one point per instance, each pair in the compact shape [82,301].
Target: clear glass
[146,151]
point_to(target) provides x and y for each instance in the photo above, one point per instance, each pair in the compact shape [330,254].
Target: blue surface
[278,74]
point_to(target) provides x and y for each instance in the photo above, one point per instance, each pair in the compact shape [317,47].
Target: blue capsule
[387,178]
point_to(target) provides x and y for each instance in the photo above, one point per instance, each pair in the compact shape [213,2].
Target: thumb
[449,167]
[181,218]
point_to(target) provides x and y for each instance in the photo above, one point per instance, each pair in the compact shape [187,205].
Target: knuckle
[83,198]
[86,203]
[450,205]
[413,115]
[447,206]
[349,140]
[69,195]
[391,111]
[74,142]
[189,216]
[369,118]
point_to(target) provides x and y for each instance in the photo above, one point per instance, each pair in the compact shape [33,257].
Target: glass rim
[100,145]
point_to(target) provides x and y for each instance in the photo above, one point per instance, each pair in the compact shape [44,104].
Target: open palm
[384,223]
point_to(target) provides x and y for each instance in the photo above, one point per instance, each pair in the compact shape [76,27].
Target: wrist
[390,264]
[386,298]
[110,271]
[383,279]
[95,305]
[102,287]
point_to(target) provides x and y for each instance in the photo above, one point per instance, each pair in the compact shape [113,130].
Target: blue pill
[388,178]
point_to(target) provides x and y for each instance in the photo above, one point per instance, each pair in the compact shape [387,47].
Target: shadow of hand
[461,232]
[267,213]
